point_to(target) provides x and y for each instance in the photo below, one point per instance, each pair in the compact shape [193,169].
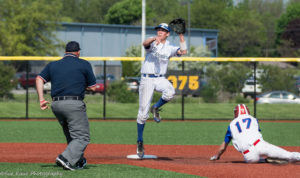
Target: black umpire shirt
[69,76]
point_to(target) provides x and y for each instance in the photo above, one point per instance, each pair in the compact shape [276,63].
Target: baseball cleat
[63,162]
[81,164]
[155,112]
[276,161]
[140,149]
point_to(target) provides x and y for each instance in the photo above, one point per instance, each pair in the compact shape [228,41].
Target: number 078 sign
[187,82]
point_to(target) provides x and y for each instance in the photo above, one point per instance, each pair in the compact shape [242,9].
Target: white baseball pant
[265,149]
[146,89]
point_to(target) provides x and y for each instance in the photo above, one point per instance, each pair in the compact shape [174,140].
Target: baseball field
[28,148]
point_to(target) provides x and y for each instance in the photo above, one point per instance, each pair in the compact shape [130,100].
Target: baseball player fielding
[154,67]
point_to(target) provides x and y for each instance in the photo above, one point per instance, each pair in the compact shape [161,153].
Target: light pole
[188,3]
[143,26]
[189,25]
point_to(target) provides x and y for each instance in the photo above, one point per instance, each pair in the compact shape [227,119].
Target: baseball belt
[255,143]
[60,98]
[152,75]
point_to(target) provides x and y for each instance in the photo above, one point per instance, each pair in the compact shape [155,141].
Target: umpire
[69,77]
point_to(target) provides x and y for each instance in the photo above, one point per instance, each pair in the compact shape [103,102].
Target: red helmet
[241,109]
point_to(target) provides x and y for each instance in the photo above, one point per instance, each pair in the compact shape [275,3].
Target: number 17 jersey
[243,131]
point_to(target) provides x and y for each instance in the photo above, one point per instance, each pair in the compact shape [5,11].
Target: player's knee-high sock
[140,130]
[160,103]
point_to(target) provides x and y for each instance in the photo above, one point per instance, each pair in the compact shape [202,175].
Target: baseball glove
[178,25]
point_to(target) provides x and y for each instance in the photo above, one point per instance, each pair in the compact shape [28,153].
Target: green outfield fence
[25,105]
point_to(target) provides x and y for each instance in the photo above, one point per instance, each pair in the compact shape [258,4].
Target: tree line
[251,28]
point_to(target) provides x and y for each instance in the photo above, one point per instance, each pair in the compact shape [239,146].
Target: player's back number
[245,122]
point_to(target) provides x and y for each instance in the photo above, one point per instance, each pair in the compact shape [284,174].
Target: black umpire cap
[72,46]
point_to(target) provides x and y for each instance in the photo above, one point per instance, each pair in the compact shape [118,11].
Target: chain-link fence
[206,88]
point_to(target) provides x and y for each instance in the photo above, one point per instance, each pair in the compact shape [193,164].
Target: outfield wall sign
[185,82]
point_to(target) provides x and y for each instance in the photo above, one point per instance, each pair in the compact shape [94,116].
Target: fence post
[182,96]
[27,78]
[104,93]
[254,70]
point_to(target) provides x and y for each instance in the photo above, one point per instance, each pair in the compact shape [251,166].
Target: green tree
[269,11]
[165,11]
[86,11]
[241,34]
[157,11]
[124,12]
[132,68]
[275,78]
[209,14]
[27,28]
[118,92]
[287,40]
[6,80]
[195,51]
[228,77]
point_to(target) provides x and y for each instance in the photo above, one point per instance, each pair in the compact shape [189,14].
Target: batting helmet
[241,109]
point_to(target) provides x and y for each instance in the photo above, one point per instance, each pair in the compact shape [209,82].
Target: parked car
[298,84]
[47,87]
[31,80]
[99,87]
[109,77]
[276,97]
[133,83]
[15,80]
[248,89]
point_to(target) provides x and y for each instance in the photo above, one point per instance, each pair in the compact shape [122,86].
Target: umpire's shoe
[140,149]
[81,164]
[155,112]
[63,162]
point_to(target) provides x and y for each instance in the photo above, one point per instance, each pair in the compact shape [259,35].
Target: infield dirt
[189,159]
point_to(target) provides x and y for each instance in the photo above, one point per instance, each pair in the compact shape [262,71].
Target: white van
[248,89]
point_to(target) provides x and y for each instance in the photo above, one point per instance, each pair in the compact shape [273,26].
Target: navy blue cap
[72,46]
[163,26]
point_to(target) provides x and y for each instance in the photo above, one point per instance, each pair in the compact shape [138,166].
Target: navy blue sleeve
[91,79]
[45,74]
[228,135]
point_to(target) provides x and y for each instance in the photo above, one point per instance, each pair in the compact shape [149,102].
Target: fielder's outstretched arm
[221,150]
[148,41]
[183,47]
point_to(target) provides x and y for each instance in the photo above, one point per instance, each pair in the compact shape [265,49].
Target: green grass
[110,132]
[92,171]
[170,111]
[164,133]
[194,109]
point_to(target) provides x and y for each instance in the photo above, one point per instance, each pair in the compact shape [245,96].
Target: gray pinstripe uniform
[156,62]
